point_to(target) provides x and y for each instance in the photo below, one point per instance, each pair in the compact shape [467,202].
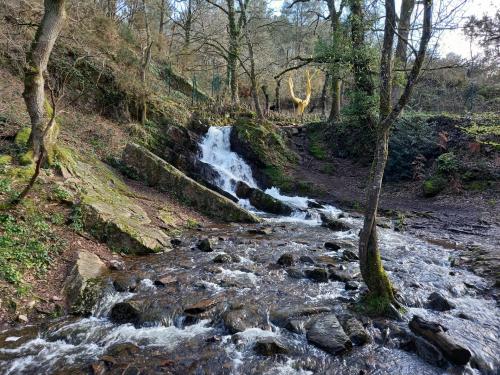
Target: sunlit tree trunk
[234,50]
[369,255]
[37,59]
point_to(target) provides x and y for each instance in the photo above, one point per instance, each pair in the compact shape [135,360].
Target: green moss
[5,159]
[26,158]
[434,185]
[316,145]
[477,185]
[22,137]
[373,305]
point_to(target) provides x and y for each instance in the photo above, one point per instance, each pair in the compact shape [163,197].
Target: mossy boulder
[157,172]
[5,159]
[434,185]
[83,287]
[109,213]
[264,148]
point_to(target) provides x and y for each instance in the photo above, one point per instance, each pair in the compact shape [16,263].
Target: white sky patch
[450,41]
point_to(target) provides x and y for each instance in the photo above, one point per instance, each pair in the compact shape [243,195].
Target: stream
[207,312]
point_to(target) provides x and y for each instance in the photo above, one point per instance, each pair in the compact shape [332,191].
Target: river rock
[326,333]
[261,200]
[269,346]
[438,302]
[125,283]
[334,224]
[332,246]
[319,275]
[295,273]
[306,259]
[240,318]
[117,265]
[126,312]
[282,315]
[351,285]
[356,332]
[326,259]
[165,280]
[350,256]
[223,258]
[83,287]
[286,259]
[201,306]
[204,245]
[337,275]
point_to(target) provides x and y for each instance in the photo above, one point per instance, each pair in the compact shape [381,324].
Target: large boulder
[326,333]
[241,317]
[283,315]
[83,287]
[334,224]
[157,172]
[438,302]
[261,200]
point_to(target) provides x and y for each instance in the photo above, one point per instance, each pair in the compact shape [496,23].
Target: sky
[450,41]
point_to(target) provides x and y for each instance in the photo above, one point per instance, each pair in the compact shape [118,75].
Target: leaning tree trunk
[371,267]
[42,141]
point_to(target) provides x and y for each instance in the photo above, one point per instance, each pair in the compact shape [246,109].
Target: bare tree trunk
[336,101]
[34,84]
[232,59]
[323,95]
[369,255]
[146,58]
[405,13]
[277,95]
[266,97]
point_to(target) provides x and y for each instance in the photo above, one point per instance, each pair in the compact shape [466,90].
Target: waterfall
[216,151]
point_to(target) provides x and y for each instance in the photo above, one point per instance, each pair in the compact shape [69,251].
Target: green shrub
[447,164]
[434,185]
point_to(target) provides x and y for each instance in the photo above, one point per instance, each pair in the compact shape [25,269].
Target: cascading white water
[216,151]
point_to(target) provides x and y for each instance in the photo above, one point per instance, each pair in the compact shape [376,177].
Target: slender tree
[43,132]
[372,270]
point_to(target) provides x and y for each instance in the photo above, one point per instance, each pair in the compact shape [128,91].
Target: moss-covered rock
[264,148]
[261,200]
[5,159]
[157,172]
[111,215]
[83,287]
[434,185]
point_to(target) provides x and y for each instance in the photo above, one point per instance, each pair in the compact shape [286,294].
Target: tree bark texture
[34,83]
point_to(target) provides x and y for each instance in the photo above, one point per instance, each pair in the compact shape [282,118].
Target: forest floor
[465,220]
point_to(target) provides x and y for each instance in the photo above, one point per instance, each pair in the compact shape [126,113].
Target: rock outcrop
[261,200]
[83,287]
[326,333]
[160,174]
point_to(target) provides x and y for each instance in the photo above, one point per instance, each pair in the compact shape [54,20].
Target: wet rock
[295,273]
[240,318]
[319,275]
[464,316]
[83,287]
[286,259]
[175,242]
[337,275]
[438,302]
[332,246]
[261,200]
[126,312]
[351,285]
[223,258]
[165,280]
[261,231]
[125,283]
[306,259]
[350,256]
[334,224]
[270,346]
[429,352]
[117,265]
[204,245]
[326,333]
[326,259]
[238,280]
[313,204]
[201,306]
[282,315]
[356,332]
